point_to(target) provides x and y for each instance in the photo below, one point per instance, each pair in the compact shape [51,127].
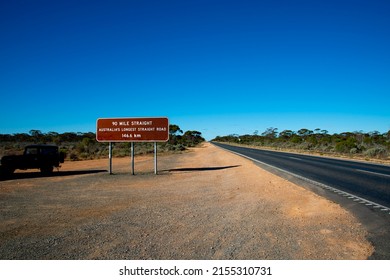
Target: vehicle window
[31,151]
[48,151]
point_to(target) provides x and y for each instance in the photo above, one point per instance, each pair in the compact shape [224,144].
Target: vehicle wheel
[6,171]
[46,169]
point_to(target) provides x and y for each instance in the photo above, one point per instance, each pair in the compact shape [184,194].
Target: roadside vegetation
[352,144]
[82,146]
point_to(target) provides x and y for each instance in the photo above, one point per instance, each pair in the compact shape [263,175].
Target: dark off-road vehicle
[43,157]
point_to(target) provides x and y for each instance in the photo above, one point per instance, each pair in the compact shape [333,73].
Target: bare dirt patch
[204,204]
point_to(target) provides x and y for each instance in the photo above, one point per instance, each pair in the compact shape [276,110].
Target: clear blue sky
[220,67]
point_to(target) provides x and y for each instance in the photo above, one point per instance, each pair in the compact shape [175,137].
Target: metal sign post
[132,158]
[155,158]
[110,157]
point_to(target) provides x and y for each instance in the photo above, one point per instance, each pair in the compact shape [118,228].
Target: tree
[296,139]
[193,137]
[37,135]
[69,137]
[174,134]
[270,132]
[304,132]
[286,134]
[175,130]
[22,137]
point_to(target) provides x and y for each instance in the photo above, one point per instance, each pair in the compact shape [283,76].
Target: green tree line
[83,145]
[367,144]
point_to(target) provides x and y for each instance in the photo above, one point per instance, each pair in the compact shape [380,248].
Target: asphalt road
[370,182]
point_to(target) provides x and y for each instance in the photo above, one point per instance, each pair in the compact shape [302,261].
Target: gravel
[204,204]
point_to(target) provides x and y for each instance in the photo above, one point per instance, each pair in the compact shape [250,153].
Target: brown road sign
[132,130]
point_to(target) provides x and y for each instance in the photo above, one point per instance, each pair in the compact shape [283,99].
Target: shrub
[73,157]
[378,152]
[353,151]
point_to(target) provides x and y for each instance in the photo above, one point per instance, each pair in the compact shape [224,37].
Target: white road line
[374,173]
[295,158]
[375,205]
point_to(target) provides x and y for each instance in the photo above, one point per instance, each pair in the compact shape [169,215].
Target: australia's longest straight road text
[367,181]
